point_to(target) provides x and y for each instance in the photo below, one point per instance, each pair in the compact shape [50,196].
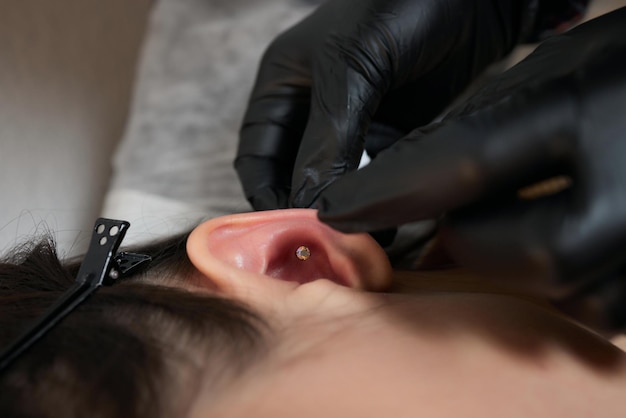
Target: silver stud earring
[303,253]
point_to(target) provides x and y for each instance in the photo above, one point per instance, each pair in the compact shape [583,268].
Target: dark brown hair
[136,349]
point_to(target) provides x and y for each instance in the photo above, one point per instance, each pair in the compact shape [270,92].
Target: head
[212,304]
[229,322]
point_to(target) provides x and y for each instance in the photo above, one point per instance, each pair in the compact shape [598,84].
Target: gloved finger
[379,137]
[384,238]
[494,151]
[553,246]
[601,307]
[272,128]
[345,93]
[265,181]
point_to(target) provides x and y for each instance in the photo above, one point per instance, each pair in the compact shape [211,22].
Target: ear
[255,254]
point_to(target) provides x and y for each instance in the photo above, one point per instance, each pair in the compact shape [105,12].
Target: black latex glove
[562,111]
[389,64]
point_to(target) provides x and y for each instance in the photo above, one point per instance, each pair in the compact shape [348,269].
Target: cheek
[360,378]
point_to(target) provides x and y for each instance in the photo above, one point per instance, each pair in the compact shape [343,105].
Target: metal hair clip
[100,267]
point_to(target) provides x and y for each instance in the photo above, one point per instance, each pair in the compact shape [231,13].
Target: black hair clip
[128,264]
[101,266]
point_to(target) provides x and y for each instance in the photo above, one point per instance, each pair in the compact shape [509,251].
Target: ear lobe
[240,250]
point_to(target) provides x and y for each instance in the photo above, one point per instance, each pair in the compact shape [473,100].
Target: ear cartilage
[303,253]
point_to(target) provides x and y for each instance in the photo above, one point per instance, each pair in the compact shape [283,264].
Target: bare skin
[443,344]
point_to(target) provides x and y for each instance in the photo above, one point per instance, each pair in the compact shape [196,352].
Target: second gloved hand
[560,112]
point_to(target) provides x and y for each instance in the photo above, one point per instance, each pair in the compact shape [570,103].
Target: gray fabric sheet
[174,163]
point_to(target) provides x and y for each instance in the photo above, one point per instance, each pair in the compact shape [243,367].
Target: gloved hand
[389,64]
[560,112]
